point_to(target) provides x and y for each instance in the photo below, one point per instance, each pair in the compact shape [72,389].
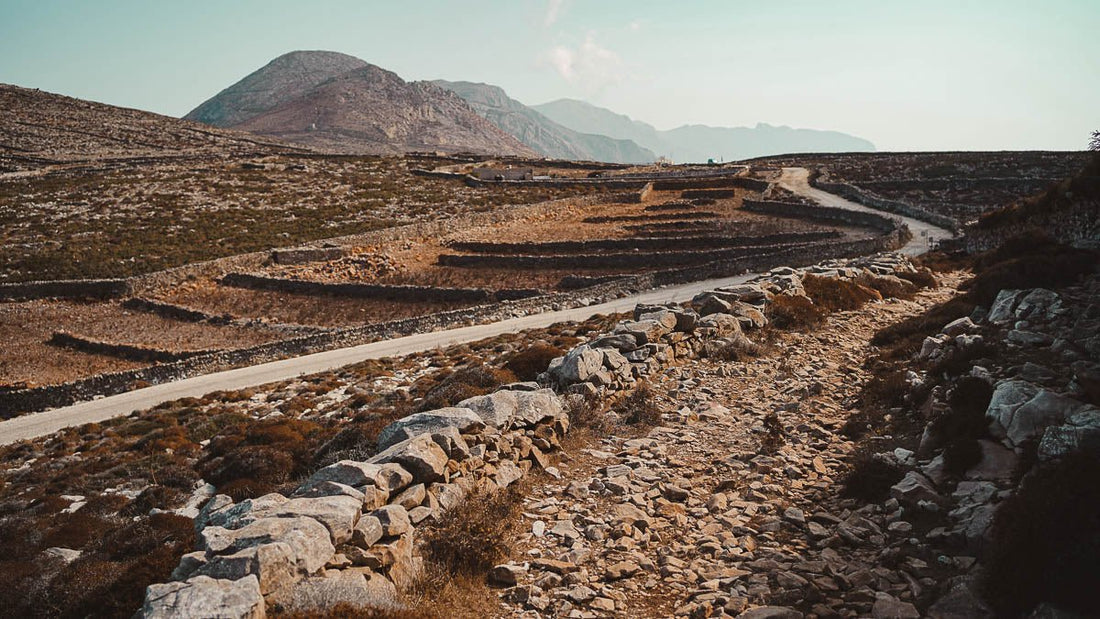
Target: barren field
[26,328]
[137,217]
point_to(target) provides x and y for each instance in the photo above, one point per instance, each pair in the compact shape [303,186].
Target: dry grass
[793,313]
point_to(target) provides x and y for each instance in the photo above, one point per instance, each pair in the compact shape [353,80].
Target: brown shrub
[888,287]
[639,407]
[732,349]
[904,337]
[586,412]
[832,294]
[774,434]
[870,477]
[464,383]
[476,535]
[529,363]
[922,278]
[791,312]
[1046,541]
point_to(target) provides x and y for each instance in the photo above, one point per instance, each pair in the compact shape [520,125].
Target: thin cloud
[589,65]
[553,12]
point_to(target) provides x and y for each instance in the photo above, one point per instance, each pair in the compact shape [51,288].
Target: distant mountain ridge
[542,134]
[338,103]
[698,143]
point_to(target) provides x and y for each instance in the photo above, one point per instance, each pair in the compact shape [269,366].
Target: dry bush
[464,383]
[1052,267]
[870,477]
[1046,541]
[250,459]
[888,287]
[833,294]
[586,412]
[476,535]
[732,349]
[639,407]
[532,361]
[959,428]
[773,434]
[351,611]
[904,338]
[791,312]
[922,278]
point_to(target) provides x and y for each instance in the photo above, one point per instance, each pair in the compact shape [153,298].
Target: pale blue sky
[925,75]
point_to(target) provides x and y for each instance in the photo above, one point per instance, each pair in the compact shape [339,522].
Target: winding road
[47,422]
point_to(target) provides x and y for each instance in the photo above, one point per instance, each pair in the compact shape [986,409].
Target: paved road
[48,422]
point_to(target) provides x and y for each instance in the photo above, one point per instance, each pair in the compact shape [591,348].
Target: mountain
[284,79]
[338,103]
[697,143]
[539,132]
[40,128]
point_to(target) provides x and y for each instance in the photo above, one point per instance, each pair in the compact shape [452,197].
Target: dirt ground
[25,329]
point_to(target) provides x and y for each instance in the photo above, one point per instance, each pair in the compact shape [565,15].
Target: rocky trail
[732,502]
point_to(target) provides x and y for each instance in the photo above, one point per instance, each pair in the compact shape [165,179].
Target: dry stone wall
[347,534]
[65,289]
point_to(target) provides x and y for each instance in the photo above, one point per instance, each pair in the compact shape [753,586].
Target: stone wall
[606,260]
[129,352]
[824,213]
[301,255]
[708,194]
[642,243]
[347,534]
[413,294]
[867,198]
[65,289]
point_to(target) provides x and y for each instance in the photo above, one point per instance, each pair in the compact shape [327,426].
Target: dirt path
[798,181]
[712,511]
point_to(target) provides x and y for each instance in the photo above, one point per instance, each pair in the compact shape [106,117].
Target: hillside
[698,143]
[39,128]
[341,104]
[542,134]
[284,79]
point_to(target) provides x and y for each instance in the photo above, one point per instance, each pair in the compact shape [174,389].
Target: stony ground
[720,508]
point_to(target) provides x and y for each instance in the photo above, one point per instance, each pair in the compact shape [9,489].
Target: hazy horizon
[934,76]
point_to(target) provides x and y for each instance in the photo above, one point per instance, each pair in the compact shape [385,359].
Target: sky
[928,75]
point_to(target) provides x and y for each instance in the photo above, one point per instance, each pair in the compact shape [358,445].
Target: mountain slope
[342,104]
[695,143]
[284,79]
[40,128]
[588,118]
[539,132]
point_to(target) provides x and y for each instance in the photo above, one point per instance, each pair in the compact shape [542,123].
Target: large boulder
[1017,421]
[495,410]
[1008,397]
[622,342]
[719,325]
[1003,310]
[534,407]
[644,331]
[1081,432]
[319,594]
[202,596]
[347,472]
[420,455]
[578,365]
[307,541]
[274,565]
[464,420]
